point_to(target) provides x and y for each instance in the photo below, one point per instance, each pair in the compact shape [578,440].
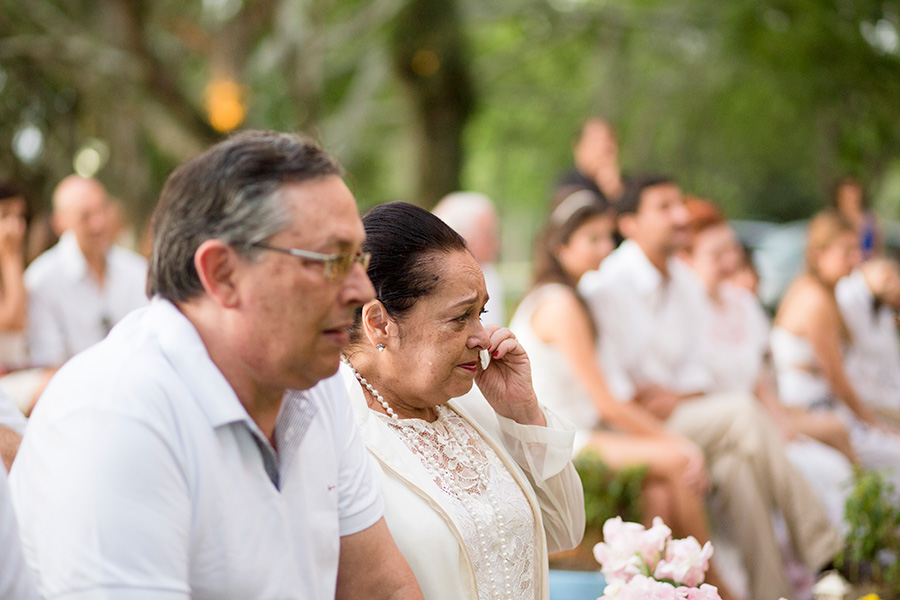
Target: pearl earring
[380,347]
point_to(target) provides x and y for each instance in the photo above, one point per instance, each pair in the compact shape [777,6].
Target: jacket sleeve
[545,455]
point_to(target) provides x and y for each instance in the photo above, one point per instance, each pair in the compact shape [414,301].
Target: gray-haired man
[178,458]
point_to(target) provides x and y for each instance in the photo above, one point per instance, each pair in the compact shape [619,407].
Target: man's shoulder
[126,373]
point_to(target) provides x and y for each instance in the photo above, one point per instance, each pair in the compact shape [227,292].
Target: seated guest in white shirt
[82,286]
[738,330]
[191,454]
[869,300]
[473,216]
[649,309]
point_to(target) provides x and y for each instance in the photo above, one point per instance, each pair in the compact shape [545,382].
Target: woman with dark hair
[556,328]
[478,482]
[808,343]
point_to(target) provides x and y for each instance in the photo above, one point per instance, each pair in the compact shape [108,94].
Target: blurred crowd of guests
[642,327]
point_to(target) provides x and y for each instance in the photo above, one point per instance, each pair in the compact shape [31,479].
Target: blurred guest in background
[738,334]
[869,299]
[596,154]
[474,217]
[13,302]
[84,285]
[555,327]
[809,340]
[21,383]
[647,306]
[850,200]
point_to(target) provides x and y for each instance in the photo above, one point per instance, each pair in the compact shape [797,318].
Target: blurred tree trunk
[429,55]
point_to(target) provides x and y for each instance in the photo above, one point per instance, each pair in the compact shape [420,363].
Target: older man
[189,455]
[649,312]
[84,285]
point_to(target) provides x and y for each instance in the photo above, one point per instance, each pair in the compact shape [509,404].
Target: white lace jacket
[420,516]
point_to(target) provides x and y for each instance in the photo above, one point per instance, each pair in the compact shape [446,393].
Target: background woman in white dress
[478,482]
[808,343]
[554,325]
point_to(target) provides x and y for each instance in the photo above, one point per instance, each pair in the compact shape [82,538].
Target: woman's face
[434,356]
[715,255]
[839,259]
[587,246]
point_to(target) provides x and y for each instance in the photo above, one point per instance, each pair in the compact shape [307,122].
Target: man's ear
[628,224]
[377,324]
[216,264]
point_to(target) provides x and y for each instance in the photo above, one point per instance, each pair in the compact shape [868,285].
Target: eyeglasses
[336,265]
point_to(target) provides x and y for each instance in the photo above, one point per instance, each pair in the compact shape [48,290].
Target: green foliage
[609,493]
[873,517]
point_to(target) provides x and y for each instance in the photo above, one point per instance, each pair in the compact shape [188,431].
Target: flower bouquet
[641,563]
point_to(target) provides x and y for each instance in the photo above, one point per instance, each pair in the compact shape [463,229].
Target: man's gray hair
[230,193]
[461,210]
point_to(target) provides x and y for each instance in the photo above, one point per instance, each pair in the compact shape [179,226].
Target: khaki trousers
[752,476]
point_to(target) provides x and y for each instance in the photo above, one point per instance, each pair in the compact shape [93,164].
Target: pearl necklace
[442,472]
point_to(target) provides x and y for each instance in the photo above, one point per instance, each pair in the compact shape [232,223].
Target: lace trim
[441,446]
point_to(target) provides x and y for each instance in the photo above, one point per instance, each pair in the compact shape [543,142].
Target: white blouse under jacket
[419,514]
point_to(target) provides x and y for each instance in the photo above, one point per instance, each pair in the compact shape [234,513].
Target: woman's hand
[506,383]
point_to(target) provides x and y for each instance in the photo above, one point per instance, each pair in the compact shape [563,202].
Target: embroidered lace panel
[439,446]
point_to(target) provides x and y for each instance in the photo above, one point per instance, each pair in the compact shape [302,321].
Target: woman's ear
[376,322]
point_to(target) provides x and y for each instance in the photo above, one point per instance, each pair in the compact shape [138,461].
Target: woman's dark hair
[406,243]
[570,209]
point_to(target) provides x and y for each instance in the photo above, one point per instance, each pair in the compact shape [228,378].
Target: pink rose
[685,562]
[641,587]
[704,592]
[618,553]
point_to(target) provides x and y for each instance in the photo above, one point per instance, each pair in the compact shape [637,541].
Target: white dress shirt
[652,329]
[67,309]
[142,476]
[873,359]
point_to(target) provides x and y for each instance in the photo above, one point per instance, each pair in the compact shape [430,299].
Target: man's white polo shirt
[142,476]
